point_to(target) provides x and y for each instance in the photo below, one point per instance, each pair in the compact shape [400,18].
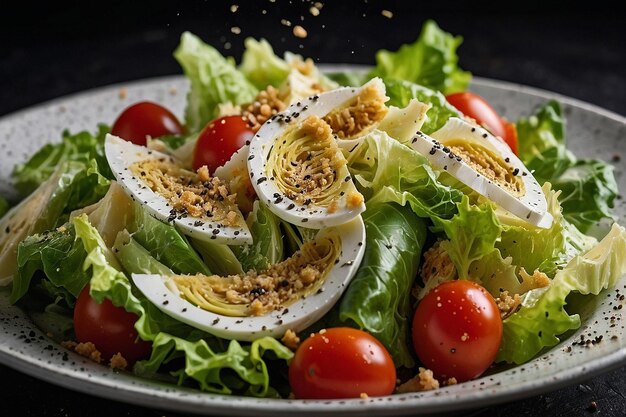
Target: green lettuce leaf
[261,66]
[166,244]
[401,92]
[541,131]
[588,187]
[349,78]
[387,171]
[378,297]
[58,255]
[267,247]
[214,80]
[472,235]
[206,358]
[80,147]
[430,61]
[542,316]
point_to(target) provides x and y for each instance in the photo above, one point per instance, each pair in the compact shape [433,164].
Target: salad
[312,235]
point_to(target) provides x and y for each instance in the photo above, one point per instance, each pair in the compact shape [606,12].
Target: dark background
[51,49]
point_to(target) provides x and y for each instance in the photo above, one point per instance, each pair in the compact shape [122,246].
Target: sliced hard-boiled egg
[488,166]
[199,205]
[296,165]
[292,294]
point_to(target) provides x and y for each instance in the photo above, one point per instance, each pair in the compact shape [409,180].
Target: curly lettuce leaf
[387,171]
[205,357]
[430,61]
[401,92]
[80,147]
[378,297]
[588,187]
[472,234]
[542,317]
[541,131]
[261,66]
[214,80]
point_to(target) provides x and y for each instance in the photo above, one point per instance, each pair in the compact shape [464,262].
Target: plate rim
[173,401]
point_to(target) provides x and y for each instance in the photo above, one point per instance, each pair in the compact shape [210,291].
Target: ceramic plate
[592,132]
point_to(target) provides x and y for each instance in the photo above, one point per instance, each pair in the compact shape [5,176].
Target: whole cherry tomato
[341,363]
[457,330]
[111,329]
[145,119]
[219,140]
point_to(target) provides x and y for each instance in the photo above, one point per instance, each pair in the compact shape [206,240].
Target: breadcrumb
[423,381]
[123,93]
[88,350]
[363,396]
[118,361]
[291,340]
[299,32]
[507,304]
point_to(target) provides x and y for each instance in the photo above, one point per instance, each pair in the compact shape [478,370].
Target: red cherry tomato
[145,119]
[477,108]
[457,330]
[341,363]
[219,140]
[111,329]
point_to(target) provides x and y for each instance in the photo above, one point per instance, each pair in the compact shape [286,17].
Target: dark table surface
[53,49]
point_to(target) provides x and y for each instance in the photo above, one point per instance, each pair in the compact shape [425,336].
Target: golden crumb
[236,30]
[266,104]
[173,91]
[123,93]
[354,200]
[537,280]
[69,344]
[314,11]
[299,32]
[118,361]
[89,350]
[333,207]
[285,22]
[508,304]
[291,340]
[363,396]
[387,14]
[234,8]
[450,381]
[61,229]
[423,381]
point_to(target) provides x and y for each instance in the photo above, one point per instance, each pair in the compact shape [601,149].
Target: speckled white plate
[592,132]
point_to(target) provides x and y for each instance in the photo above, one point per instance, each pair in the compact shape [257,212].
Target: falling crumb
[314,11]
[123,93]
[118,361]
[364,396]
[234,8]
[299,32]
[387,14]
[319,5]
[227,45]
[236,30]
[285,22]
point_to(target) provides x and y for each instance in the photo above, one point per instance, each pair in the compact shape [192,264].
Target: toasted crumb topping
[195,194]
[423,381]
[266,104]
[88,350]
[537,280]
[489,165]
[118,361]
[437,263]
[508,304]
[255,294]
[367,109]
[291,340]
[354,200]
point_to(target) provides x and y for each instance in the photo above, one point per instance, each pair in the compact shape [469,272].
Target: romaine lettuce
[80,147]
[541,131]
[378,297]
[205,356]
[261,66]
[214,80]
[430,61]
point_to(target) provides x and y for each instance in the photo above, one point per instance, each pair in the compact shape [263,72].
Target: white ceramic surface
[592,132]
